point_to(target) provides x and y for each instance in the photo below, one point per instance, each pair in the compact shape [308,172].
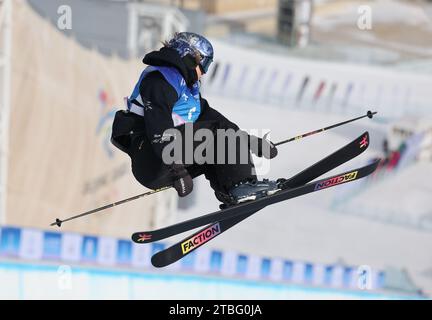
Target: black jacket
[162,96]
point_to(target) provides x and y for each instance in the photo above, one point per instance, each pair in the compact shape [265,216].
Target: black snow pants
[153,173]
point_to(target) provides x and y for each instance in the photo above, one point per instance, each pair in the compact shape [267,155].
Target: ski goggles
[205,64]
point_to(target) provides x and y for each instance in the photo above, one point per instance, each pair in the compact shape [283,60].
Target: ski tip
[363,140]
[157,263]
[374,165]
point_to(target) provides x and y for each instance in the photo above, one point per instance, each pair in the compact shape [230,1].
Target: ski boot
[253,190]
[249,191]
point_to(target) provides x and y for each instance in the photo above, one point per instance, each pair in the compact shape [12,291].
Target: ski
[344,154]
[187,245]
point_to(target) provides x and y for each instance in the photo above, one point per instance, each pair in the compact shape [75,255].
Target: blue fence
[73,248]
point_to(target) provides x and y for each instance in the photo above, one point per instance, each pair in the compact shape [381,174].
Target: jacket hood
[169,58]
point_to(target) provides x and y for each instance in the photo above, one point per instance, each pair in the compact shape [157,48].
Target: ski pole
[369,114]
[59,222]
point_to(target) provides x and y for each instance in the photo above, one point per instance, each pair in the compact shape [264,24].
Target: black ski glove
[257,148]
[182,180]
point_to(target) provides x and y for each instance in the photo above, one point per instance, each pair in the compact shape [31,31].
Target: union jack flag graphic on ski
[365,141]
[143,237]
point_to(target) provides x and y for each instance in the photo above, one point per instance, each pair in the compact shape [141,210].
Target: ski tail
[191,243]
[335,159]
[172,254]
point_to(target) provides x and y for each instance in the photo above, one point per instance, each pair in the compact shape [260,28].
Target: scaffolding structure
[149,24]
[294,18]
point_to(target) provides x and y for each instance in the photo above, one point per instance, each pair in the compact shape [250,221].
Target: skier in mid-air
[166,96]
[166,109]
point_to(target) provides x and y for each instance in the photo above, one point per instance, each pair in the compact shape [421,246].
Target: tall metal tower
[151,23]
[294,18]
[5,94]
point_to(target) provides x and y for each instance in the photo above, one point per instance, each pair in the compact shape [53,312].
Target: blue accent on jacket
[188,106]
